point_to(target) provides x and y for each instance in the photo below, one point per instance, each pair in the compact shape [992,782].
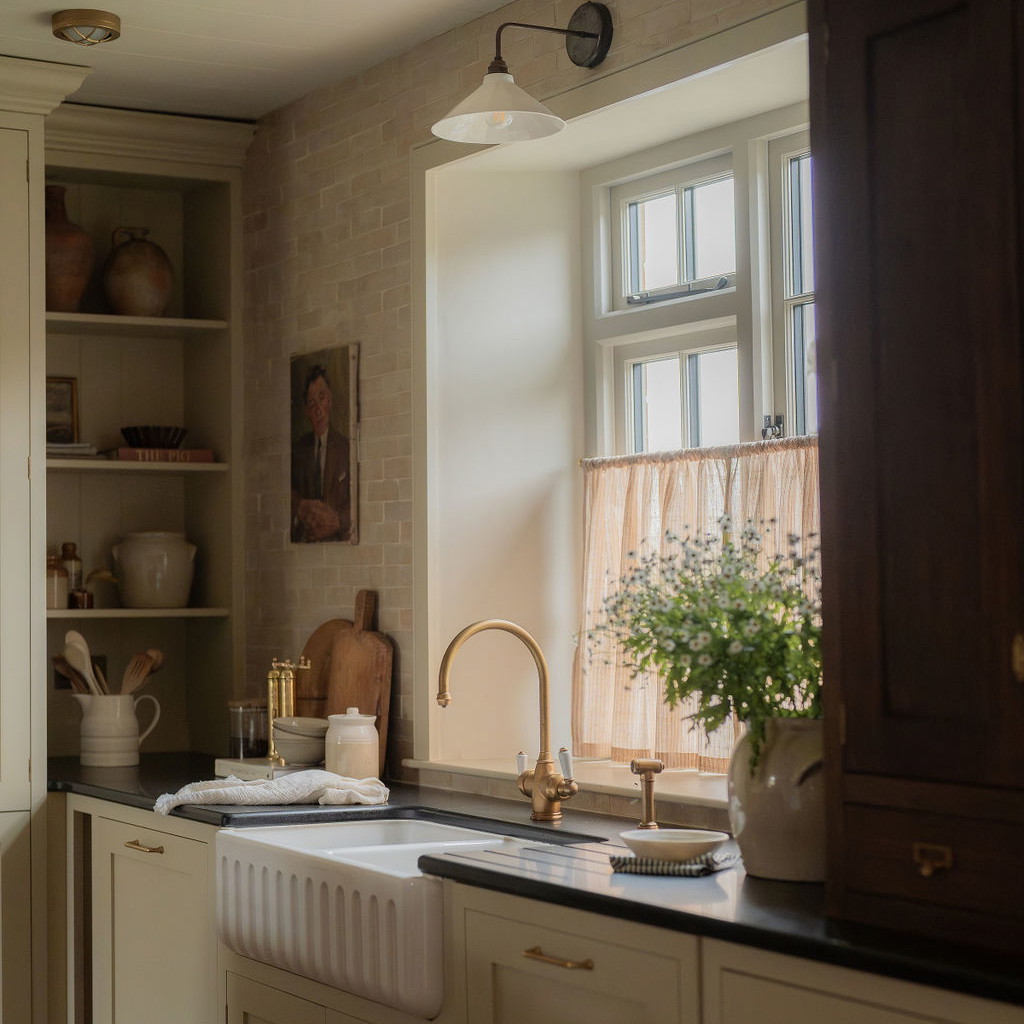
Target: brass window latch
[647,768]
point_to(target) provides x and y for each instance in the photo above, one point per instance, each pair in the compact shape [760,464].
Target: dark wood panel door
[916,140]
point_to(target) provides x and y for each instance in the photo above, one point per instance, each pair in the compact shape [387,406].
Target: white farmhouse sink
[343,903]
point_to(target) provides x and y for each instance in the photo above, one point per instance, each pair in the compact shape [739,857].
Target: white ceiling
[231,58]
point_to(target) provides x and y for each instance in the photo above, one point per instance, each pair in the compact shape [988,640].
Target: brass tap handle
[647,768]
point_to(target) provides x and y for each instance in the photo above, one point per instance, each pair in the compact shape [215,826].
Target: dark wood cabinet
[917,126]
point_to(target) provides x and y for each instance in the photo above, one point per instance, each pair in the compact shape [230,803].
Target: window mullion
[687,236]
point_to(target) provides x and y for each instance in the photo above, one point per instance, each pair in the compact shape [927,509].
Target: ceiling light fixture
[86,27]
[499,111]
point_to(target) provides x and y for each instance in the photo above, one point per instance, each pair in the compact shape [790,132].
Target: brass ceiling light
[86,27]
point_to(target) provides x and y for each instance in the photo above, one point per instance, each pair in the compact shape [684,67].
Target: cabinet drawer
[954,862]
[518,971]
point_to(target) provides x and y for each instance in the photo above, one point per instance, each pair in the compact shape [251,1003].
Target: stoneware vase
[70,255]
[137,275]
[110,729]
[154,569]
[777,812]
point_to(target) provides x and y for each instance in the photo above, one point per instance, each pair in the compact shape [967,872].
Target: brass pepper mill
[280,699]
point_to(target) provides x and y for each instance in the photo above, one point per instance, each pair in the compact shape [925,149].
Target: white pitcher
[154,569]
[110,728]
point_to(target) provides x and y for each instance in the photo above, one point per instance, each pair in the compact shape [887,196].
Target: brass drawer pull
[930,857]
[136,845]
[572,965]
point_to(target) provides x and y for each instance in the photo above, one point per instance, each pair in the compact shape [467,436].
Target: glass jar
[248,728]
[56,583]
[72,564]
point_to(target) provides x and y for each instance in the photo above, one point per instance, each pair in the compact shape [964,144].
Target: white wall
[505,426]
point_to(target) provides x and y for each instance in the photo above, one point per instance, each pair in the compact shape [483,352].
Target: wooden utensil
[71,674]
[76,651]
[140,668]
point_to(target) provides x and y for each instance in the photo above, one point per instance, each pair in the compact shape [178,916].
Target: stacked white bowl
[300,741]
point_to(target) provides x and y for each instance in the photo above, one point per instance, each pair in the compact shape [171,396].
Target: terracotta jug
[137,276]
[69,255]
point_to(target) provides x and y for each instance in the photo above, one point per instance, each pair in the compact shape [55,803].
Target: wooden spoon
[69,672]
[139,669]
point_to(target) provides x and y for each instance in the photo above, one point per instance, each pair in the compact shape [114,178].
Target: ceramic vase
[154,569]
[70,255]
[137,275]
[110,729]
[777,811]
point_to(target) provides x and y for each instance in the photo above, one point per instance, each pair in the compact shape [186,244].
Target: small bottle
[72,564]
[56,583]
[351,747]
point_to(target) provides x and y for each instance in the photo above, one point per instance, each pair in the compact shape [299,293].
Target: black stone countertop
[729,905]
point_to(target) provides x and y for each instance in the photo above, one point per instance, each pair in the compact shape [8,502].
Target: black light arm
[588,37]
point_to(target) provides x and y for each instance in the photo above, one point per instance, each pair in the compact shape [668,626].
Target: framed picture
[324,440]
[61,410]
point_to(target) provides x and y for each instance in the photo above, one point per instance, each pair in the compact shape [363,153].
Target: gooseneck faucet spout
[545,786]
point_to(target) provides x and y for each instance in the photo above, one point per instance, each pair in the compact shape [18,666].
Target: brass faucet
[544,785]
[647,768]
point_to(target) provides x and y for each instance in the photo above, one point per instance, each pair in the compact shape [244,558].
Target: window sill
[672,786]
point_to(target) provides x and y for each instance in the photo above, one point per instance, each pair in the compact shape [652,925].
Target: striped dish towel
[705,864]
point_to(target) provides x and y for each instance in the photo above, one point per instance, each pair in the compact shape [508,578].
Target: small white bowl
[302,726]
[299,750]
[672,844]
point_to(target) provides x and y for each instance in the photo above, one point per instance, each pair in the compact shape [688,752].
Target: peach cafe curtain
[630,502]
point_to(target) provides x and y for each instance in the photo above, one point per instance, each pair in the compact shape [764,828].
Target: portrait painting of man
[325,422]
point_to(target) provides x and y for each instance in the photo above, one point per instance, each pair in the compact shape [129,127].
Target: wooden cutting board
[350,667]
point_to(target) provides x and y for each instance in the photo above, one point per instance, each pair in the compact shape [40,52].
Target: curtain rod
[728,451]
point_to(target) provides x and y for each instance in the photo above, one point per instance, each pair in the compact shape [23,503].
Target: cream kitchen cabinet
[527,960]
[142,907]
[179,178]
[250,1002]
[752,986]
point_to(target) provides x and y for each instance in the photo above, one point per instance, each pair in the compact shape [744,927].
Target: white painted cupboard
[28,91]
[142,932]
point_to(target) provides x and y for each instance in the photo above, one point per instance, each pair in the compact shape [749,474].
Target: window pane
[718,400]
[657,405]
[653,243]
[801,224]
[713,230]
[805,368]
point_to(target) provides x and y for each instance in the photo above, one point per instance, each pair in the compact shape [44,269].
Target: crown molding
[37,86]
[77,128]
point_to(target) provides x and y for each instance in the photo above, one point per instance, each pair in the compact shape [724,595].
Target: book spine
[165,455]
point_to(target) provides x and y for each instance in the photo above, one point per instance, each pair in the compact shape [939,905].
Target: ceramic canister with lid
[154,569]
[351,745]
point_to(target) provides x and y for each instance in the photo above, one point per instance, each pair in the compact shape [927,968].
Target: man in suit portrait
[321,482]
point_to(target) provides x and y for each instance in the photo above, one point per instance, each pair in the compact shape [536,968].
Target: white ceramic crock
[154,569]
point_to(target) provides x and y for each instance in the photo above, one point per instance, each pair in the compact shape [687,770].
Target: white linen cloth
[312,786]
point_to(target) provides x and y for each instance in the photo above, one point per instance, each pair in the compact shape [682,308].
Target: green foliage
[739,628]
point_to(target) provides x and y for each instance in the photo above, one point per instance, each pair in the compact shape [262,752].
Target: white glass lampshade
[499,111]
[86,26]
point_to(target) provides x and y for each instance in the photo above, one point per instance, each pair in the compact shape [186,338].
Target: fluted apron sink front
[343,903]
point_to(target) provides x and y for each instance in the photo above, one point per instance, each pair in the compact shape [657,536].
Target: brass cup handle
[136,845]
[536,953]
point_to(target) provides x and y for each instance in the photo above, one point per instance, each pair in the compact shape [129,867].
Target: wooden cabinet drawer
[948,861]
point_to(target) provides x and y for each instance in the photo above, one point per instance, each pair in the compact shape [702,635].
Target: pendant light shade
[86,27]
[499,111]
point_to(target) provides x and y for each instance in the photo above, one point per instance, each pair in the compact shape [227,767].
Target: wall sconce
[85,27]
[499,111]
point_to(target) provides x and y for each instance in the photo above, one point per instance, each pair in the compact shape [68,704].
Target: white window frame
[711,339]
[677,180]
[780,151]
[616,335]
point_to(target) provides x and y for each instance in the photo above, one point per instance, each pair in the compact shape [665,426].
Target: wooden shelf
[107,324]
[137,613]
[116,466]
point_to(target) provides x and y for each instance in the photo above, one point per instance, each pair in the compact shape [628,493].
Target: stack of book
[71,450]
